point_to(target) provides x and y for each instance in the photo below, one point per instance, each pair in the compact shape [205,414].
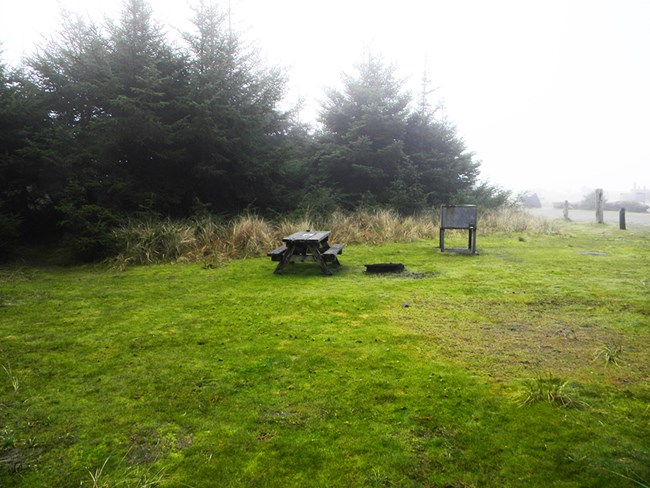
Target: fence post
[599,206]
[565,212]
[621,218]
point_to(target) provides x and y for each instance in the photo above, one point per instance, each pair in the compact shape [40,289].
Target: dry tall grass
[509,220]
[380,226]
[209,240]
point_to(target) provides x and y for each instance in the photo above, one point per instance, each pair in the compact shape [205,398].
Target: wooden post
[621,219]
[565,212]
[599,206]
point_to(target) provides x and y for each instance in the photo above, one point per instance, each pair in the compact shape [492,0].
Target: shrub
[9,225]
[88,231]
[486,195]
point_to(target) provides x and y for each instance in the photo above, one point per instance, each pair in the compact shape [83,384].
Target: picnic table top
[307,237]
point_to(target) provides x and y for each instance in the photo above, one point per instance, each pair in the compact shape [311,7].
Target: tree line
[115,121]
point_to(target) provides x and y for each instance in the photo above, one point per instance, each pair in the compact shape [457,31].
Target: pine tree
[24,199]
[439,157]
[364,126]
[376,148]
[234,125]
[143,143]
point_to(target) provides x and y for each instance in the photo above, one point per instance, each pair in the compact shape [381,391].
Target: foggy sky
[549,95]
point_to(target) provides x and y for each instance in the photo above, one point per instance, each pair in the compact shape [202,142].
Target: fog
[551,96]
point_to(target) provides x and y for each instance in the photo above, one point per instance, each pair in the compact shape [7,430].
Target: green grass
[184,375]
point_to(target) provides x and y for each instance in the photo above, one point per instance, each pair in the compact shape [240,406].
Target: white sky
[549,94]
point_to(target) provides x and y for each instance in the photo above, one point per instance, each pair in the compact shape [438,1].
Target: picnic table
[307,245]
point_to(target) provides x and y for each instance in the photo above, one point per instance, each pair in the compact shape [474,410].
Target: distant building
[531,201]
[636,195]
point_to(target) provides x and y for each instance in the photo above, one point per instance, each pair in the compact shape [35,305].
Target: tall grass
[247,235]
[15,381]
[211,240]
[380,226]
[512,219]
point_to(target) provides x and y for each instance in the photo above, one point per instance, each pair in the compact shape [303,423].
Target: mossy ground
[183,375]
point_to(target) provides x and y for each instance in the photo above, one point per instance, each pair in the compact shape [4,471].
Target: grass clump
[150,241]
[547,389]
[610,353]
[15,381]
[207,239]
[131,476]
[246,236]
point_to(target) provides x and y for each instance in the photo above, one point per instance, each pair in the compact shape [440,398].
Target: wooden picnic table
[307,245]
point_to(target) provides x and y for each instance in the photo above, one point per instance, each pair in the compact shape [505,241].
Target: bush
[89,231]
[9,225]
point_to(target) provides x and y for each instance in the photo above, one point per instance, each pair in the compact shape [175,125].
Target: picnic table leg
[286,257]
[319,259]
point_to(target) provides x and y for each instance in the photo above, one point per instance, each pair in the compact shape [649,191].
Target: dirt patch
[17,459]
[407,274]
[507,348]
[146,447]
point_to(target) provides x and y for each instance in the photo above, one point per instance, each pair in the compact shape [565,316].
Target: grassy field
[527,365]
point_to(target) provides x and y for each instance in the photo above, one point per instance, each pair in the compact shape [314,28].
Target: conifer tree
[233,123]
[24,200]
[364,127]
[146,116]
[375,148]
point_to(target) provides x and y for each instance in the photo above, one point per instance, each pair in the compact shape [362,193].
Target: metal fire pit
[384,268]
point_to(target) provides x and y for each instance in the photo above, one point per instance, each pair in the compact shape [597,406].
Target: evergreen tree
[74,75]
[364,127]
[233,126]
[439,158]
[376,149]
[143,143]
[24,200]
[113,115]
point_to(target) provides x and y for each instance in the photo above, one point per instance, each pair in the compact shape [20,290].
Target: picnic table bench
[307,245]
